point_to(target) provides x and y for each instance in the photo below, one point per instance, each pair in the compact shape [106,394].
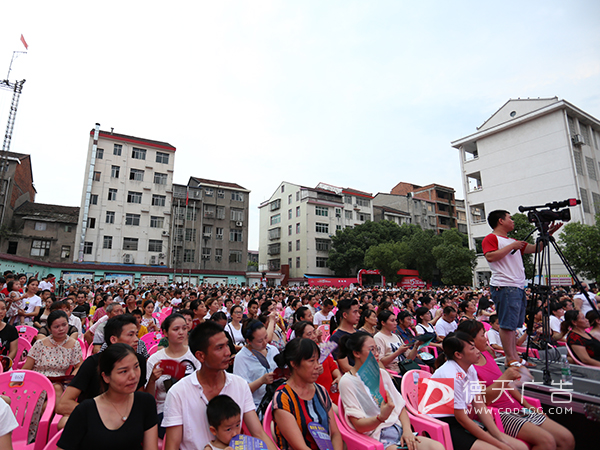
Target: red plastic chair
[52,443]
[23,347]
[24,397]
[27,332]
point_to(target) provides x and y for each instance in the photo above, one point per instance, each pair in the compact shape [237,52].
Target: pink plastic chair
[151,339]
[486,326]
[27,332]
[23,347]
[268,424]
[152,350]
[52,443]
[23,401]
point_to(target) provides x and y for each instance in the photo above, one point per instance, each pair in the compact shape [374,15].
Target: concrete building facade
[128,209]
[210,228]
[297,222]
[406,209]
[16,187]
[530,152]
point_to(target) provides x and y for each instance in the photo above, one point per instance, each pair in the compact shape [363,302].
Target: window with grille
[220,212]
[218,254]
[134,197]
[189,254]
[275,205]
[40,226]
[160,178]
[275,219]
[65,251]
[110,217]
[348,215]
[322,245]
[596,202]
[321,262]
[136,175]
[274,233]
[132,219]
[237,215]
[138,153]
[94,199]
[289,246]
[191,214]
[237,196]
[591,168]
[87,248]
[289,230]
[297,262]
[157,222]
[155,245]
[40,248]
[220,193]
[585,133]
[158,200]
[321,211]
[321,227]
[130,243]
[235,256]
[219,234]
[235,235]
[162,158]
[584,200]
[107,242]
[207,231]
[190,234]
[578,162]
[206,252]
[363,201]
[297,211]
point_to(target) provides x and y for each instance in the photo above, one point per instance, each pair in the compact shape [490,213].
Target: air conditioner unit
[153,259]
[205,256]
[127,258]
[206,235]
[165,233]
[578,139]
[239,224]
[161,255]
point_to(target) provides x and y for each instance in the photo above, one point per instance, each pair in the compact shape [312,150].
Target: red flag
[187,195]
[24,43]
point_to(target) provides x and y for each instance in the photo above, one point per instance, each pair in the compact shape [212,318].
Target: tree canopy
[580,244]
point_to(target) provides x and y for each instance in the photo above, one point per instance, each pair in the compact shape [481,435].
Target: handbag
[406,365]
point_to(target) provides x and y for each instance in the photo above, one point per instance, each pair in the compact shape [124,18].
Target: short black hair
[114,326]
[220,408]
[297,350]
[495,216]
[201,334]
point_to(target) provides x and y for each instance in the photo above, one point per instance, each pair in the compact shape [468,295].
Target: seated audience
[223,415]
[584,346]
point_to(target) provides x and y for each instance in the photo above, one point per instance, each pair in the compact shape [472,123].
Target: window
[348,215]
[237,196]
[136,175]
[138,153]
[206,253]
[114,171]
[40,248]
[220,212]
[364,217]
[91,222]
[190,234]
[578,162]
[363,201]
[132,219]
[338,227]
[65,251]
[297,211]
[110,217]
[130,243]
[322,245]
[178,235]
[298,245]
[209,192]
[478,245]
[289,246]
[235,256]
[134,197]
[297,262]
[275,205]
[289,230]
[97,176]
[191,214]
[160,178]
[237,215]
[348,199]
[220,193]
[596,202]
[321,262]
[100,153]
[117,148]
[218,254]
[209,211]
[235,235]
[584,200]
[112,194]
[274,233]
[321,227]
[94,199]
[274,249]
[321,211]
[338,212]
[297,195]
[219,234]
[274,264]
[162,158]
[157,222]
[107,242]
[289,262]
[158,200]
[87,248]
[289,214]
[40,226]
[591,167]
[297,228]
[275,219]
[155,245]
[189,254]
[283,188]
[290,199]
[207,231]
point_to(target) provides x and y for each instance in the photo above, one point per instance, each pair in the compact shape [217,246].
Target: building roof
[18,156]
[225,184]
[391,210]
[134,139]
[521,106]
[48,213]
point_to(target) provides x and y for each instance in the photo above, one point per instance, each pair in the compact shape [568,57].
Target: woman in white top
[423,317]
[175,330]
[32,301]
[461,352]
[391,347]
[234,328]
[388,422]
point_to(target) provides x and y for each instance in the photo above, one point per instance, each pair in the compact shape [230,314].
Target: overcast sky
[359,94]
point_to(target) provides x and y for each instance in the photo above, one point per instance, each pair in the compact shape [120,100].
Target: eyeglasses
[374,350]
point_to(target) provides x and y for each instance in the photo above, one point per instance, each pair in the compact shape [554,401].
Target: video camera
[552,213]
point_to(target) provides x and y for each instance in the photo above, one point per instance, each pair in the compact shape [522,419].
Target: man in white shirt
[46,284]
[447,324]
[580,301]
[493,335]
[325,314]
[185,406]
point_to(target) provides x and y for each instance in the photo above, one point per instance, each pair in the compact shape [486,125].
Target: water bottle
[565,370]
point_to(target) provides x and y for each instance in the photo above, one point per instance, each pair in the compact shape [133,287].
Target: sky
[359,94]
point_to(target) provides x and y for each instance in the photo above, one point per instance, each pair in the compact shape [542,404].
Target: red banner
[333,282]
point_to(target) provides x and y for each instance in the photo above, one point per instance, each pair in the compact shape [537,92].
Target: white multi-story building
[530,152]
[126,201]
[297,222]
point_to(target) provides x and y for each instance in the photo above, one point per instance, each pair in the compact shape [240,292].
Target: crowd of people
[228,353]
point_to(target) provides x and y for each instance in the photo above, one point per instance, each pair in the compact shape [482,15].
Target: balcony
[474,182]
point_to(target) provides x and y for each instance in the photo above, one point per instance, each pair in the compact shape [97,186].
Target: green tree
[580,244]
[420,244]
[388,258]
[454,259]
[522,228]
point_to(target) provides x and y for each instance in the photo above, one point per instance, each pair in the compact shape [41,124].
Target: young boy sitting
[493,334]
[224,419]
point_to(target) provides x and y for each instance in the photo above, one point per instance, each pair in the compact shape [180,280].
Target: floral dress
[54,361]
